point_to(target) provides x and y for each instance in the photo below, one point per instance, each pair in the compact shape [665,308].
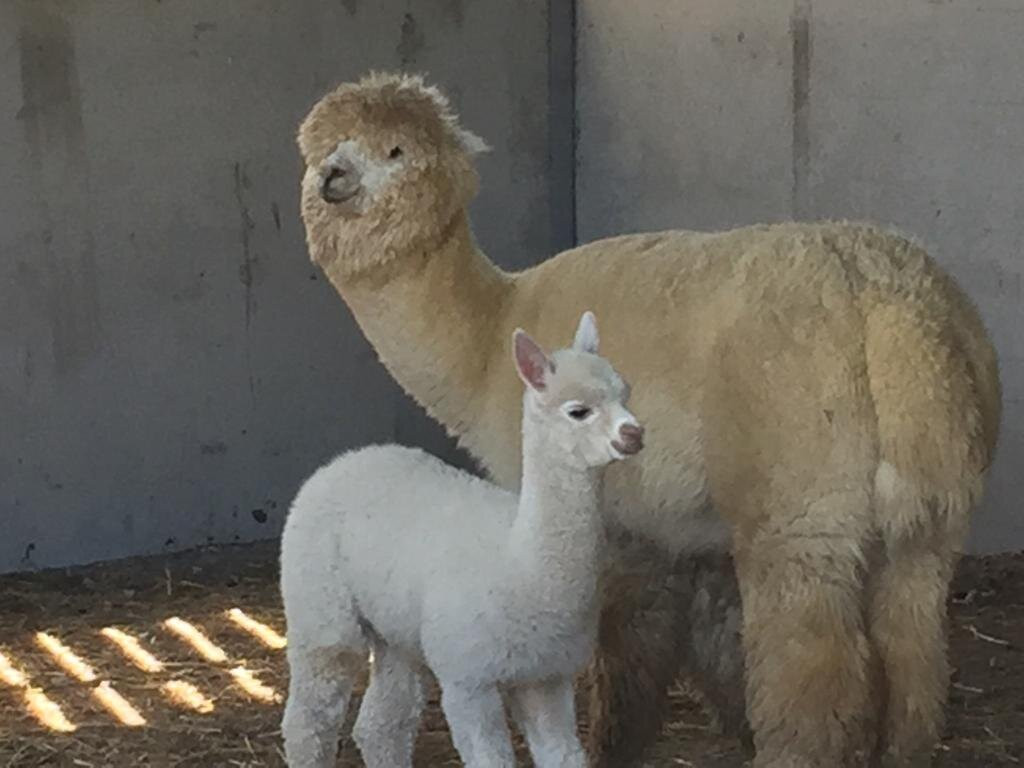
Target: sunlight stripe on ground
[117,705]
[187,696]
[133,650]
[202,644]
[257,629]
[67,659]
[248,682]
[47,711]
[73,664]
[37,703]
[206,648]
[10,674]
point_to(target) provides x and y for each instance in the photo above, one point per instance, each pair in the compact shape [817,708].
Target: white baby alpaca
[388,549]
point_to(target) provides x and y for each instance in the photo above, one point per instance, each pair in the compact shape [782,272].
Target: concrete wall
[713,113]
[171,365]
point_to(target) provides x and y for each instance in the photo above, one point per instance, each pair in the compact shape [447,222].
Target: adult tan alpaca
[821,400]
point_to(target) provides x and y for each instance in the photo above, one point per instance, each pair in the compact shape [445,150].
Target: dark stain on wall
[27,563]
[245,269]
[247,266]
[454,12]
[51,116]
[410,41]
[202,27]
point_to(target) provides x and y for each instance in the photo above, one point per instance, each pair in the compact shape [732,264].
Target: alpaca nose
[339,181]
[631,439]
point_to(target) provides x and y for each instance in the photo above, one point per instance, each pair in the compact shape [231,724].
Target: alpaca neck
[557,531]
[433,318]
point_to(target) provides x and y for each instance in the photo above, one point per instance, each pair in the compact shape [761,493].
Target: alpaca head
[575,400]
[387,170]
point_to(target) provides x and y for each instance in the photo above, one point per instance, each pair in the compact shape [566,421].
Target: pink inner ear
[531,362]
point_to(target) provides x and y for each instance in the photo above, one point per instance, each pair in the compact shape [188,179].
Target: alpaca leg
[546,712]
[319,687]
[476,717]
[810,667]
[713,656]
[638,653]
[908,627]
[389,715]
[790,445]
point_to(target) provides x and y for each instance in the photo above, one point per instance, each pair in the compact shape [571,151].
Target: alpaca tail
[935,387]
[934,382]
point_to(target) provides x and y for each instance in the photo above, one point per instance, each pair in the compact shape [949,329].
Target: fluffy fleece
[823,404]
[391,550]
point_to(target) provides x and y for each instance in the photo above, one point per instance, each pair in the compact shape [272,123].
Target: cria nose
[631,438]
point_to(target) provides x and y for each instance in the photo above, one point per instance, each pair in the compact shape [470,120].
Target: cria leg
[546,713]
[389,715]
[476,717]
[908,627]
[319,688]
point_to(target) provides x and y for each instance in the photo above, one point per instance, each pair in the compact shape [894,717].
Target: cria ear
[532,365]
[471,143]
[586,334]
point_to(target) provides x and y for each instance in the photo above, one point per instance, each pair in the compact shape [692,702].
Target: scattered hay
[203,711]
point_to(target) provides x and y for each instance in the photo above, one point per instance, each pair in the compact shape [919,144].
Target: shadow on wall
[177,365]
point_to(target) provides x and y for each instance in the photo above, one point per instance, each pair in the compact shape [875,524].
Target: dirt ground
[986,712]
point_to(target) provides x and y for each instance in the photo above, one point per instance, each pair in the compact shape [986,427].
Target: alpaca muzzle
[631,439]
[340,182]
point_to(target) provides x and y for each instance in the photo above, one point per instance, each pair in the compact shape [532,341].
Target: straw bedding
[231,726]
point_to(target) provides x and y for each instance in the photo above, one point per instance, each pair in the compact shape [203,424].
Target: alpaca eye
[395,153]
[579,412]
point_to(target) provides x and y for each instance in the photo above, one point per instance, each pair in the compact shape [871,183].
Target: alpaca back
[403,516]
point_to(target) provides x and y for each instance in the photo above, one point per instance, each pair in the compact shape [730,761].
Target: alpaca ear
[532,365]
[471,143]
[586,334]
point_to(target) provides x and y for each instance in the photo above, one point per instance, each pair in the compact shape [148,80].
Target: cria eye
[395,153]
[579,412]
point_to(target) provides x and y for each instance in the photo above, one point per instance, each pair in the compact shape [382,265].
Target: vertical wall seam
[800,32]
[574,133]
[562,122]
